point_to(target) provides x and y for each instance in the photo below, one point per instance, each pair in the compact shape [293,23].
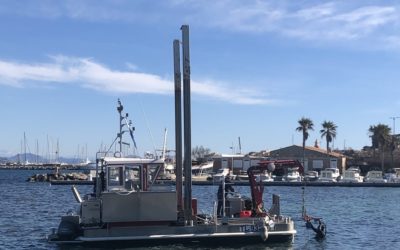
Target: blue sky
[257,68]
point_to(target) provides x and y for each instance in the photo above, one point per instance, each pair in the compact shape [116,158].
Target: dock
[246,183]
[71,182]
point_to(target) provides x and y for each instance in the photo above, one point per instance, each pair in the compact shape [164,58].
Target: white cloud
[90,74]
[310,20]
[316,12]
[329,21]
[372,24]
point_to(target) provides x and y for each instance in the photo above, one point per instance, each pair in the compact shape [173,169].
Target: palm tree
[305,125]
[380,136]
[329,132]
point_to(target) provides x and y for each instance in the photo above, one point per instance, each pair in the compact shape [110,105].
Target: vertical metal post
[178,125]
[223,197]
[120,108]
[24,150]
[240,146]
[187,125]
[393,139]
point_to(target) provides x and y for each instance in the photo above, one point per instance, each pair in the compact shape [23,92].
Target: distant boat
[264,177]
[352,175]
[88,165]
[292,175]
[393,176]
[329,175]
[311,176]
[374,176]
[242,176]
[203,171]
[221,174]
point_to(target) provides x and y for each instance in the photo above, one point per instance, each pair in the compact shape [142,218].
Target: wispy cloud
[309,20]
[89,10]
[91,74]
[328,21]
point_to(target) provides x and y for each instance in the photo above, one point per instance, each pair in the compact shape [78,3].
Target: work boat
[129,208]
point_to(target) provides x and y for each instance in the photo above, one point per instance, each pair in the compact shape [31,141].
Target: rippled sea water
[356,217]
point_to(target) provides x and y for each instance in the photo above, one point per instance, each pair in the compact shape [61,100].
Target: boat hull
[220,235]
[233,239]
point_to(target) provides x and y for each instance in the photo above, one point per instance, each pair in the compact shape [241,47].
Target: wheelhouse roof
[122,160]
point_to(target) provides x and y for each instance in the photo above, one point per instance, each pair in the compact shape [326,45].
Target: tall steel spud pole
[187,125]
[178,126]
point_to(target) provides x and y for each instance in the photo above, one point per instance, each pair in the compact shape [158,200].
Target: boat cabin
[352,175]
[126,192]
[374,176]
[329,175]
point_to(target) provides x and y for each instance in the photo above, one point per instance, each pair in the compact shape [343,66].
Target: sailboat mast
[37,151]
[48,150]
[164,144]
[24,149]
[57,152]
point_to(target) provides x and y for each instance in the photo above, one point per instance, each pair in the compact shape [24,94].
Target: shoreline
[246,183]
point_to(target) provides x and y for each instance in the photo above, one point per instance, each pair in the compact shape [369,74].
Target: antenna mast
[120,108]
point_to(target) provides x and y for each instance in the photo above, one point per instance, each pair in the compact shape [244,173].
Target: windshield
[123,177]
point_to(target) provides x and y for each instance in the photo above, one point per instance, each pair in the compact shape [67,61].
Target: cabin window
[132,177]
[115,177]
[122,177]
[224,163]
[154,171]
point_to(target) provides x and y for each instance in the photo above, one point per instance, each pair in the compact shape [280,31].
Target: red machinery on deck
[257,188]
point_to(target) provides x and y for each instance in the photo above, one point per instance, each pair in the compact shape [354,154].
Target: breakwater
[49,166]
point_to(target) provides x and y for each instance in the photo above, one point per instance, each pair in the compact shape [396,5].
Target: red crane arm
[257,188]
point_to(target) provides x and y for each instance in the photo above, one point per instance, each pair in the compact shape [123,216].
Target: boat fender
[67,230]
[271,224]
[264,233]
[260,208]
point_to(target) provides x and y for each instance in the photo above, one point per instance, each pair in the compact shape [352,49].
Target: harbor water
[356,217]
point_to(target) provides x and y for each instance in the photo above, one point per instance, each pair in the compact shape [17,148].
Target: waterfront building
[237,163]
[315,158]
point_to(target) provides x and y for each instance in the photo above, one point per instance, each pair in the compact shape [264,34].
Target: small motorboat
[311,176]
[352,175]
[329,175]
[374,176]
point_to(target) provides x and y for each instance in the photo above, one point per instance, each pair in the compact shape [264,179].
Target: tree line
[381,138]
[328,131]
